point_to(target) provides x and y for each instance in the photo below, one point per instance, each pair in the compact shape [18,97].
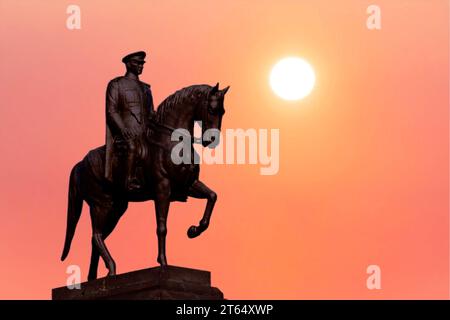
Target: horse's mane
[181,96]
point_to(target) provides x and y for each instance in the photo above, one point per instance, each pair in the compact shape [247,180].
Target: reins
[169,130]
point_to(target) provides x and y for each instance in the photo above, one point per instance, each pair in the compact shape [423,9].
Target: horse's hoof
[112,272]
[162,262]
[91,278]
[193,232]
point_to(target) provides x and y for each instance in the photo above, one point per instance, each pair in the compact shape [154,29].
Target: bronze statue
[129,106]
[138,152]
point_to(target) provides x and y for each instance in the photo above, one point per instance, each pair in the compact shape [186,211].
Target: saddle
[96,162]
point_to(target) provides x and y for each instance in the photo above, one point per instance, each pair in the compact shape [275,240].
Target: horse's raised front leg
[162,202]
[200,191]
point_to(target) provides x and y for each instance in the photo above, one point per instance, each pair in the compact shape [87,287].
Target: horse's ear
[215,88]
[225,90]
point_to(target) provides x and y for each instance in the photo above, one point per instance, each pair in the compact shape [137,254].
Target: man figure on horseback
[129,107]
[165,181]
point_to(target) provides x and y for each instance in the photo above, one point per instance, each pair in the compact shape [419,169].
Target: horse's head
[210,114]
[195,103]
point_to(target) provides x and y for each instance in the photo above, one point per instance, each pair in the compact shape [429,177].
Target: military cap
[139,55]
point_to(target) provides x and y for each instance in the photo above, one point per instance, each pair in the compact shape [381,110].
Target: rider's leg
[130,179]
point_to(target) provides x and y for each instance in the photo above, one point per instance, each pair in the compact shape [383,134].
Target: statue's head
[135,62]
[212,114]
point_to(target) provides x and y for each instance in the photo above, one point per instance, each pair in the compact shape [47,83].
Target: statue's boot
[132,183]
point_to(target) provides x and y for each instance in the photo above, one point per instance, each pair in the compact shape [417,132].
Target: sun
[292,78]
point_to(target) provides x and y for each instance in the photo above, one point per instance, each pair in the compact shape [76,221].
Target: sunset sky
[364,159]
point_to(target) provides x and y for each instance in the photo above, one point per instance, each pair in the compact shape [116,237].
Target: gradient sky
[363,160]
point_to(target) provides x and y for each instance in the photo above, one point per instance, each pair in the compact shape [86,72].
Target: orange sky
[363,160]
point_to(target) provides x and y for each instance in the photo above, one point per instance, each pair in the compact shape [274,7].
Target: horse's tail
[73,210]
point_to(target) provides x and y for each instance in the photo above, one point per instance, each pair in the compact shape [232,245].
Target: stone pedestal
[169,283]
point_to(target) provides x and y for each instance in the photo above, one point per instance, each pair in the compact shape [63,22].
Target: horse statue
[164,181]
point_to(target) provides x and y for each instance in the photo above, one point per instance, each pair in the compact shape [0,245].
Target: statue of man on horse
[137,159]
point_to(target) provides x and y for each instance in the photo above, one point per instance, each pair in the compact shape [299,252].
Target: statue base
[168,283]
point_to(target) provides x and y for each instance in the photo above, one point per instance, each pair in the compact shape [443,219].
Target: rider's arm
[112,106]
[150,104]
